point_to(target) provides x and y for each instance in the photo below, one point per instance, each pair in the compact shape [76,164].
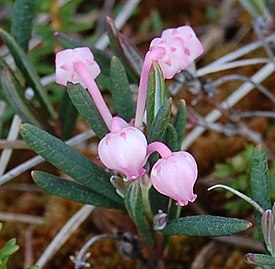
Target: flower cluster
[125,149]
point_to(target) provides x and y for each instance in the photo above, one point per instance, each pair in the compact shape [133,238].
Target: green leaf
[206,225]
[180,122]
[5,252]
[101,57]
[68,160]
[9,248]
[160,122]
[255,7]
[86,108]
[134,206]
[126,53]
[71,190]
[67,115]
[155,93]
[120,89]
[259,259]
[28,71]
[171,138]
[13,93]
[259,181]
[131,53]
[21,23]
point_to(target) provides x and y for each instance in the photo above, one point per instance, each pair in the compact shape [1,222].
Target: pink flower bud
[124,149]
[175,176]
[65,69]
[177,48]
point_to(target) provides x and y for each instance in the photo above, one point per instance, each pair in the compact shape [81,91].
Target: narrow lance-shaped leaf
[206,225]
[134,206]
[259,259]
[11,90]
[259,181]
[67,115]
[160,122]
[21,23]
[180,121]
[171,138]
[259,178]
[71,190]
[120,89]
[68,160]
[122,54]
[28,71]
[86,108]
[155,93]
[132,53]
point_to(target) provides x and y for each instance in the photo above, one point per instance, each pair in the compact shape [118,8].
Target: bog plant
[141,168]
[143,171]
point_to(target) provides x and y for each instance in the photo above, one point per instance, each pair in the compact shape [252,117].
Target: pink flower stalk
[174,51]
[124,149]
[174,175]
[78,66]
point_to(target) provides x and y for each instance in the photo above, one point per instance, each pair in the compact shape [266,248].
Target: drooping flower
[78,66]
[174,51]
[124,149]
[174,174]
[180,48]
[65,70]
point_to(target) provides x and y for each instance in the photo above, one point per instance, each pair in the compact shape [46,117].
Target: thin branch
[239,194]
[106,11]
[243,242]
[229,102]
[222,67]
[28,236]
[13,134]
[80,260]
[16,144]
[64,234]
[240,52]
[126,11]
[260,36]
[248,114]
[235,77]
[23,218]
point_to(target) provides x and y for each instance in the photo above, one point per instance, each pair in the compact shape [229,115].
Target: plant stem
[241,195]
[94,92]
[145,187]
[142,90]
[161,148]
[150,56]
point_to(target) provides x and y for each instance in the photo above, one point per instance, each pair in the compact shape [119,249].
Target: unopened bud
[160,221]
[268,229]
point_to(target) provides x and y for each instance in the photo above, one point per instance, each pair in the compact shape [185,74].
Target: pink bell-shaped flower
[78,66]
[175,174]
[124,149]
[65,69]
[174,51]
[178,47]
